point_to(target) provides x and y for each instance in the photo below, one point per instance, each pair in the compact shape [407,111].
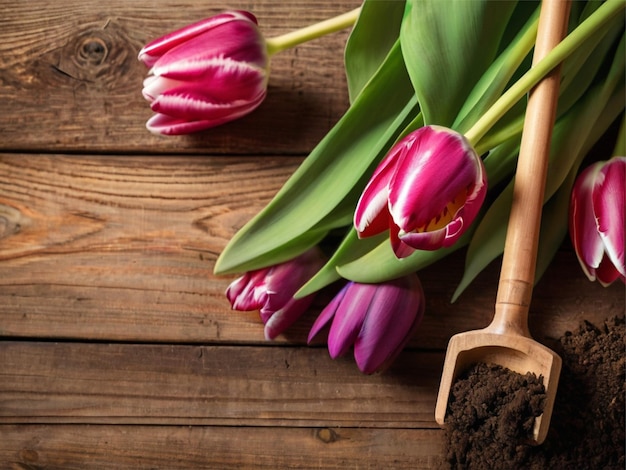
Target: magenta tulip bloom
[596,220]
[270,290]
[427,191]
[377,319]
[205,74]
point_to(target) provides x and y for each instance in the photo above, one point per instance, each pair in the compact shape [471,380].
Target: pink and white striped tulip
[596,220]
[377,319]
[205,74]
[427,191]
[270,290]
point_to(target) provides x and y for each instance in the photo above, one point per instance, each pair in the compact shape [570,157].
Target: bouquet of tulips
[420,165]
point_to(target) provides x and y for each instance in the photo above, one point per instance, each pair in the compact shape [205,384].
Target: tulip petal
[279,320]
[153,86]
[152,51]
[194,102]
[178,114]
[234,41]
[349,318]
[378,319]
[439,167]
[327,314]
[293,273]
[608,208]
[393,317]
[167,125]
[195,68]
[400,249]
[606,273]
[587,243]
[424,240]
[248,291]
[229,80]
[371,216]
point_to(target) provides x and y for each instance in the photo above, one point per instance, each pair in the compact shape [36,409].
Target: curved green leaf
[447,46]
[554,225]
[372,37]
[381,264]
[500,163]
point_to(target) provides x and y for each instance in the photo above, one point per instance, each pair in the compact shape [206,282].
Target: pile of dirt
[491,409]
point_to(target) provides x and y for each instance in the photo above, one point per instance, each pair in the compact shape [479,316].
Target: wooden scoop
[507,341]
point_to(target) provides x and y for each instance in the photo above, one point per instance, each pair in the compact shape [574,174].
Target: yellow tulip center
[446,215]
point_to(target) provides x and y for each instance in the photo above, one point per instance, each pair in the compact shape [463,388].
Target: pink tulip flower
[377,319]
[596,220]
[270,290]
[426,192]
[205,74]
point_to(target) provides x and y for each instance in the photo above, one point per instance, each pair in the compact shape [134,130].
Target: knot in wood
[96,57]
[326,435]
[9,221]
[92,51]
[29,456]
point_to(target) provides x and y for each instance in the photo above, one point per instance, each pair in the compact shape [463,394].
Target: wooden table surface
[118,348]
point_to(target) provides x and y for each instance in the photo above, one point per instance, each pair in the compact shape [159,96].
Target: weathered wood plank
[174,447]
[218,385]
[84,237]
[122,248]
[70,77]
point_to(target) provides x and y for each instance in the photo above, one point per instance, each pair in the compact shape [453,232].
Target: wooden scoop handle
[522,238]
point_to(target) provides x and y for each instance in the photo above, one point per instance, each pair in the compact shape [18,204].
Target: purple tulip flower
[205,74]
[596,221]
[270,290]
[427,191]
[377,319]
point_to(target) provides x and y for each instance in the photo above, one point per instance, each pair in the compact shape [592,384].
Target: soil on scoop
[491,409]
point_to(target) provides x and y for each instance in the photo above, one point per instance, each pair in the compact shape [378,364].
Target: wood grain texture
[71,68]
[78,447]
[225,385]
[123,248]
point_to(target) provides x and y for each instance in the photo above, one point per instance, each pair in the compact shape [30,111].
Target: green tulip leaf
[620,141]
[501,161]
[553,226]
[372,37]
[381,264]
[447,46]
[289,250]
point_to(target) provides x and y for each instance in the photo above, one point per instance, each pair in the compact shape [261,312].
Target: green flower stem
[314,31]
[564,49]
[498,75]
[496,138]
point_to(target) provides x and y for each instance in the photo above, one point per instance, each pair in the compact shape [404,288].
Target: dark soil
[491,409]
